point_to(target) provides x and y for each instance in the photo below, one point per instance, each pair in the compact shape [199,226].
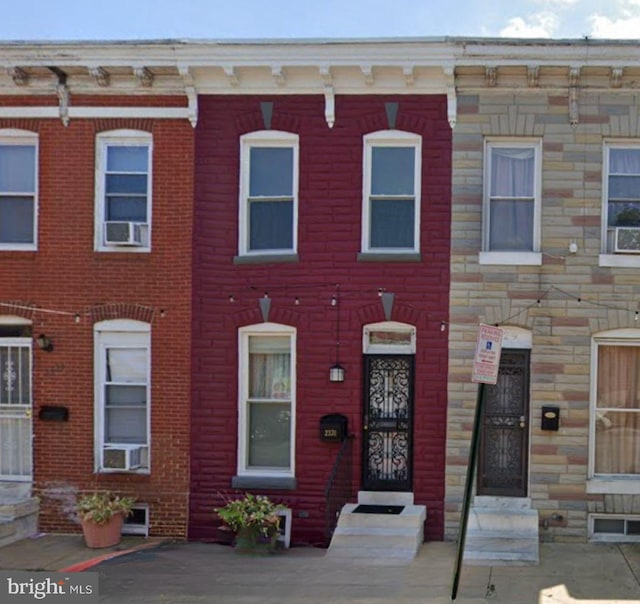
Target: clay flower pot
[106,534]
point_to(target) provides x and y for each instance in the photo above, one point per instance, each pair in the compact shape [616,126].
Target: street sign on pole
[485,371]
[487,358]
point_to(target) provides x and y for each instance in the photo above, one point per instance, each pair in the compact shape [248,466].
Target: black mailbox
[550,418]
[333,428]
[54,414]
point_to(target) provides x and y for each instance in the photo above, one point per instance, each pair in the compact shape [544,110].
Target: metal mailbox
[333,427]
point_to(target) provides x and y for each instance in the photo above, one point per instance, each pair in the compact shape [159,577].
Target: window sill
[511,258]
[614,486]
[389,257]
[280,483]
[139,471]
[265,258]
[620,260]
[6,247]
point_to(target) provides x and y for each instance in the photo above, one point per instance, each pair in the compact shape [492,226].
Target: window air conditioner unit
[123,233]
[123,458]
[627,240]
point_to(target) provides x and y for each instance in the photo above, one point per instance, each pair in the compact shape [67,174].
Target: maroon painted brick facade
[66,274]
[329,235]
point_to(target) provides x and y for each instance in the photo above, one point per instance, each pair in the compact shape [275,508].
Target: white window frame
[13,136]
[514,258]
[265,138]
[390,138]
[119,333]
[262,329]
[608,258]
[607,483]
[121,138]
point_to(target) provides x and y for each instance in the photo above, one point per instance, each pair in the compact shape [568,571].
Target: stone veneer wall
[561,326]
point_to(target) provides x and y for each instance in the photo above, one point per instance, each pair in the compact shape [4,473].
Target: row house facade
[211,252]
[95,287]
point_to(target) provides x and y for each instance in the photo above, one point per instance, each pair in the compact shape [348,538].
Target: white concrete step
[502,536]
[378,537]
[385,498]
[18,520]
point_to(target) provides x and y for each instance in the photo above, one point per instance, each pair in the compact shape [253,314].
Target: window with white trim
[268,193]
[18,189]
[621,211]
[615,406]
[391,190]
[512,199]
[122,395]
[267,379]
[123,191]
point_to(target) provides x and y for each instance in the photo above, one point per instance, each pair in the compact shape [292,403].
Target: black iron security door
[388,423]
[503,459]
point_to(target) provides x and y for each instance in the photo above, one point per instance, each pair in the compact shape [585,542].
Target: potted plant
[255,521]
[102,515]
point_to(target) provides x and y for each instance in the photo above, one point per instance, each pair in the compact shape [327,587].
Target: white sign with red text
[487,358]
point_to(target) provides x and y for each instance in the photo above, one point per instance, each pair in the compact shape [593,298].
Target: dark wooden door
[503,458]
[388,423]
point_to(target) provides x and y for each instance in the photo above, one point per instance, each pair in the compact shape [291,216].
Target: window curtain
[618,410]
[269,405]
[512,196]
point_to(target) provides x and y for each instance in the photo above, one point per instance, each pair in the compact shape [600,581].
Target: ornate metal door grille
[502,464]
[388,418]
[15,409]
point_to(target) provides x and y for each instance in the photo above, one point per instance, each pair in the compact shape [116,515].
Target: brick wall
[561,325]
[65,274]
[330,195]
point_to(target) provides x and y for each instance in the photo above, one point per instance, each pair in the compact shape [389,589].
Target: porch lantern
[336,373]
[44,343]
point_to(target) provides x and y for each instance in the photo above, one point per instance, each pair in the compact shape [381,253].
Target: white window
[621,212]
[266,428]
[268,193]
[122,389]
[615,410]
[511,212]
[123,191]
[391,185]
[18,190]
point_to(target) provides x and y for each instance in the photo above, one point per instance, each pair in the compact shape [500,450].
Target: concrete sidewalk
[141,570]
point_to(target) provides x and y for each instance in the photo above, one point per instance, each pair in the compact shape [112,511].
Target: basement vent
[614,527]
[138,522]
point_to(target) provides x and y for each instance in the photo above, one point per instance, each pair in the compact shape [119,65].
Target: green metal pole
[473,454]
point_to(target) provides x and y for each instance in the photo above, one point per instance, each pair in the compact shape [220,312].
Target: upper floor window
[615,413]
[621,214]
[267,400]
[391,190]
[18,190]
[268,193]
[122,388]
[123,191]
[512,201]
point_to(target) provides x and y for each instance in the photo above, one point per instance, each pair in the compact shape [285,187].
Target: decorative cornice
[100,75]
[19,76]
[616,77]
[532,76]
[491,76]
[367,72]
[144,75]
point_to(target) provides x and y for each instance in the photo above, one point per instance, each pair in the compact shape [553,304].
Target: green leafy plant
[100,507]
[251,512]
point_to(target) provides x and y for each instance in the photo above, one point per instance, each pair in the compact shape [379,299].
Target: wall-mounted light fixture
[336,371]
[44,343]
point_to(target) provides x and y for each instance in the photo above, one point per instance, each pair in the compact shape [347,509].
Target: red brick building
[96,191]
[288,282]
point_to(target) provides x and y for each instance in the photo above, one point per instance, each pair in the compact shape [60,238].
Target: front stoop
[18,515]
[385,539]
[502,534]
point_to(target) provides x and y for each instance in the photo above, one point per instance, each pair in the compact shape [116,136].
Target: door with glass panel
[15,409]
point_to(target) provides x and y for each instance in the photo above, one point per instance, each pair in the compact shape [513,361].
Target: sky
[42,20]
